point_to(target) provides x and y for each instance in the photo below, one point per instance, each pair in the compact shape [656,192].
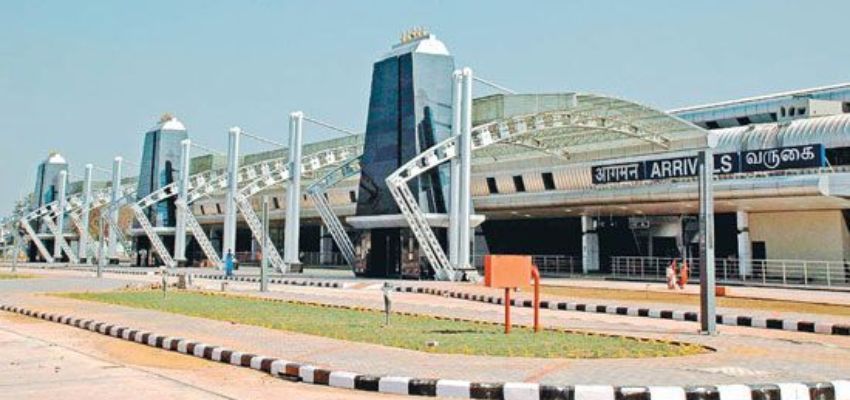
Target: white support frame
[483,136]
[317,191]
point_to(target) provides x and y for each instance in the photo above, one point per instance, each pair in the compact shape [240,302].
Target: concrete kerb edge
[677,315]
[756,322]
[305,373]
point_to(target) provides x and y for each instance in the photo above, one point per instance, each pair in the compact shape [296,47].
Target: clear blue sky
[87,78]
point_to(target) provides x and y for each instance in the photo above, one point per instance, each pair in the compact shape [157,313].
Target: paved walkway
[343,277]
[477,289]
[798,295]
[44,360]
[744,355]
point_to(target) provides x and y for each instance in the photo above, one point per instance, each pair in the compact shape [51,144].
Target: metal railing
[323,258]
[762,272]
[549,265]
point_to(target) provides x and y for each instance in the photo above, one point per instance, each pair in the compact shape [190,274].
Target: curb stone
[677,315]
[759,322]
[832,390]
[278,281]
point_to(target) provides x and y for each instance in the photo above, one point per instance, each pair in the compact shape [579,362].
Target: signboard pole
[708,322]
[507,311]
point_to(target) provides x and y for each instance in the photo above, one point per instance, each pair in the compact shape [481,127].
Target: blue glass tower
[409,111]
[158,168]
[46,182]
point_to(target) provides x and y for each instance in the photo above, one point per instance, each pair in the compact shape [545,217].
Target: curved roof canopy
[581,127]
[831,131]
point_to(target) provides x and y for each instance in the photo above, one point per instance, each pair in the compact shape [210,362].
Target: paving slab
[744,355]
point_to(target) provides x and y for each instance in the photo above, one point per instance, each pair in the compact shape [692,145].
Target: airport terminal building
[616,194]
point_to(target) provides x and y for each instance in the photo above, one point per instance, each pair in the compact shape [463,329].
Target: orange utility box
[507,271]
[511,272]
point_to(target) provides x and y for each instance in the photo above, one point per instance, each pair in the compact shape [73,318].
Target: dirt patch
[18,318]
[141,355]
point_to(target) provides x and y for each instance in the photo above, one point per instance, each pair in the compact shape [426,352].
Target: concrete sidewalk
[375,284]
[765,293]
[744,355]
[45,360]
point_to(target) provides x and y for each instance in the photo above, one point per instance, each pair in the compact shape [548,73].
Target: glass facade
[45,186]
[409,111]
[159,164]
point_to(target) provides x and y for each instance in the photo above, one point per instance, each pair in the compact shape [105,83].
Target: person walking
[228,263]
[671,275]
[684,274]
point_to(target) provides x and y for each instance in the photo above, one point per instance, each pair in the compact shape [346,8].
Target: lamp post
[708,312]
[264,262]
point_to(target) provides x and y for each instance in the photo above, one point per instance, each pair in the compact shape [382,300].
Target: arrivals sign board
[808,156]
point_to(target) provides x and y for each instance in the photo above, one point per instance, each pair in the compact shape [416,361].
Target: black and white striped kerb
[278,281]
[88,269]
[298,372]
[678,315]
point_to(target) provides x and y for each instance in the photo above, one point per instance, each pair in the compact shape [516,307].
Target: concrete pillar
[326,246]
[182,195]
[229,237]
[745,248]
[454,189]
[465,157]
[589,245]
[83,243]
[60,216]
[293,192]
[111,252]
[708,323]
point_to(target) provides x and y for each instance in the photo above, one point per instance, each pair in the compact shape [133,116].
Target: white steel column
[589,245]
[113,209]
[454,189]
[293,192]
[229,236]
[745,249]
[182,194]
[465,150]
[708,323]
[83,243]
[60,216]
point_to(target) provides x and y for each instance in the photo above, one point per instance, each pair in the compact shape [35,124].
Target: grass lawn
[690,299]
[11,275]
[407,332]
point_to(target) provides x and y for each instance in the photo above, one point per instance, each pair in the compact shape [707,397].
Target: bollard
[387,289]
[164,281]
